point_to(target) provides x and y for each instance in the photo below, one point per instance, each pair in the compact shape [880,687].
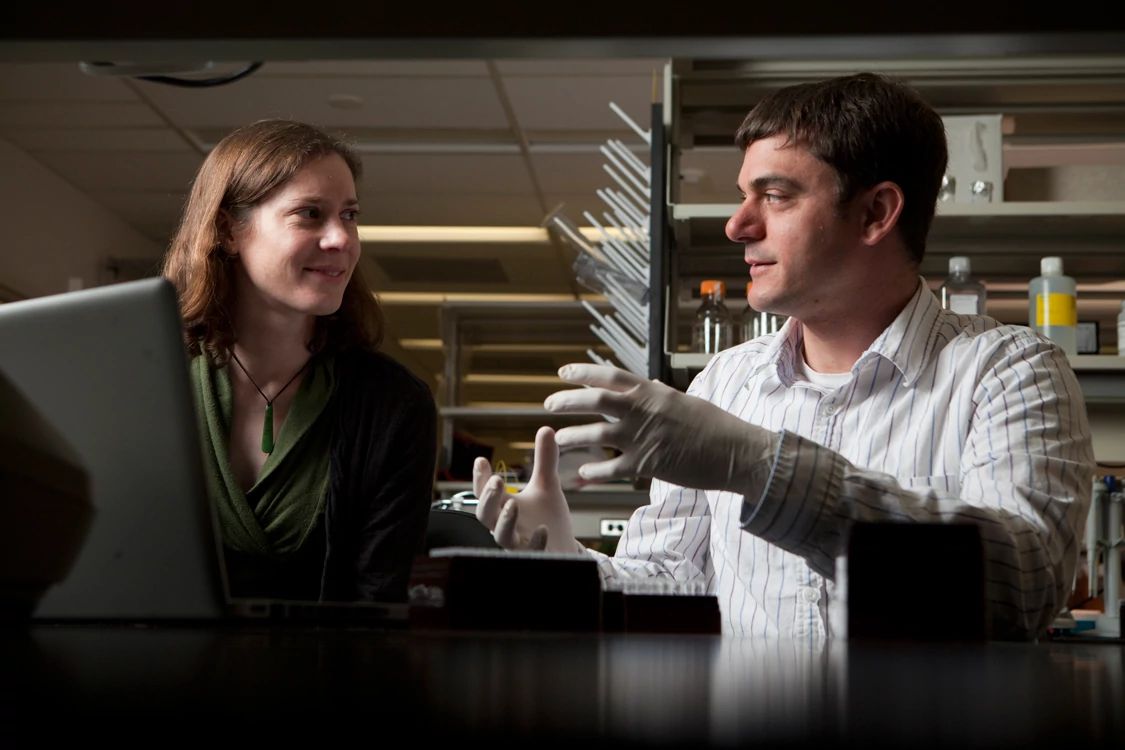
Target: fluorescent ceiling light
[437,298]
[500,378]
[472,234]
[420,344]
[522,445]
[437,345]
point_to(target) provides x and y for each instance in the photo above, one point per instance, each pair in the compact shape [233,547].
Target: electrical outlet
[613,526]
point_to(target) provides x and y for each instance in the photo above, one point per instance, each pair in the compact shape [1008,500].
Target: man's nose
[744,224]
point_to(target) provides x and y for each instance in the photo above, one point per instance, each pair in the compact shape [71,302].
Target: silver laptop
[106,367]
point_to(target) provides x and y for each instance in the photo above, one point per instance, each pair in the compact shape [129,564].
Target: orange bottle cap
[711,286]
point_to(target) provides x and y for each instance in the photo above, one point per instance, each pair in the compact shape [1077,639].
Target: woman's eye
[351,214]
[309,213]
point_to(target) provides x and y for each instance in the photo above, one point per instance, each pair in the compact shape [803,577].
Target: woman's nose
[338,235]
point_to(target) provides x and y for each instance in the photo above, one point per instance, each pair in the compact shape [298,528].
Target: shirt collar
[905,343]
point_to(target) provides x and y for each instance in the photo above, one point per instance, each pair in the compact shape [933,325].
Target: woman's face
[297,249]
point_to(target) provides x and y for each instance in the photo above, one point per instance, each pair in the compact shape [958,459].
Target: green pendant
[267,430]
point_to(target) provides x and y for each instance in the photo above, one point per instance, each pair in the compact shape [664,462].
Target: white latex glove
[535,518]
[662,432]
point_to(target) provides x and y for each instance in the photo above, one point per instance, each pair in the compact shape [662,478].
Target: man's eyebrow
[765,182]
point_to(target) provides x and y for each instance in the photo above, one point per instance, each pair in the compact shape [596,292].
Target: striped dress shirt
[945,418]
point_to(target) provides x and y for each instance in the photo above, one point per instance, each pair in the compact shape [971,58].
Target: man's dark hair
[868,128]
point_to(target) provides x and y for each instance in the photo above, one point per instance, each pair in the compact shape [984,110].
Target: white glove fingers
[482,470]
[604,471]
[505,531]
[599,376]
[490,501]
[538,538]
[596,434]
[587,401]
[545,468]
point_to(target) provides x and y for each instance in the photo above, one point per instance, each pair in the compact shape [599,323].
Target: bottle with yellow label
[1053,305]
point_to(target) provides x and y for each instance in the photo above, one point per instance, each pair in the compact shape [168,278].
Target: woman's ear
[224,227]
[881,205]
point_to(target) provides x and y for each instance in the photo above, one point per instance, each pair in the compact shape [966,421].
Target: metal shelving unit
[1053,106]
[1064,105]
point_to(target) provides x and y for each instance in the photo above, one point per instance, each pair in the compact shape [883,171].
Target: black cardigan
[381,478]
[382,453]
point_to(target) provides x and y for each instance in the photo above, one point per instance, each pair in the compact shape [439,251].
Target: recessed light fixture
[345,101]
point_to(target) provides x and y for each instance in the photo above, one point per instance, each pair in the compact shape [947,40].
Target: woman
[319,450]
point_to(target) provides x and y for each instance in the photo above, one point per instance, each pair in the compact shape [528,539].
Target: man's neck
[834,345]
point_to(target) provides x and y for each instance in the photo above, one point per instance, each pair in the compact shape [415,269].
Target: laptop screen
[106,368]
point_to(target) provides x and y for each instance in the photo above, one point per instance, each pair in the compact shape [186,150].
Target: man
[871,403]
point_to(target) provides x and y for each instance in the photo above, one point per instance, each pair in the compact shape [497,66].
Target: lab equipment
[712,331]
[1053,305]
[754,323]
[961,293]
[1104,542]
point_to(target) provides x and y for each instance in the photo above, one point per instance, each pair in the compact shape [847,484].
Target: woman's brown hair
[240,172]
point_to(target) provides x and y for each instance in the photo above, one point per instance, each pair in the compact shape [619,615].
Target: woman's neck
[272,346]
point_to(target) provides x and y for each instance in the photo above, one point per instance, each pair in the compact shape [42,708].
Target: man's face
[799,247]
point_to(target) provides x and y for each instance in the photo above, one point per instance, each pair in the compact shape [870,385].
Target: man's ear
[880,206]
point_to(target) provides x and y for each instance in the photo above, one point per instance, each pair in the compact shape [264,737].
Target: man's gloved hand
[535,518]
[662,432]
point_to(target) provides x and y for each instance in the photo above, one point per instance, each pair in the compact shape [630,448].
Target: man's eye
[772,198]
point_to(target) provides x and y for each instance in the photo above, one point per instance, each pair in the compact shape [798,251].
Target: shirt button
[831,409]
[810,595]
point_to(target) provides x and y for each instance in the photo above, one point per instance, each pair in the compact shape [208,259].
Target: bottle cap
[750,285]
[959,264]
[713,286]
[1051,266]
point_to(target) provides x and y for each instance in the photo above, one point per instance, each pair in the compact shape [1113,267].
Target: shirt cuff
[802,488]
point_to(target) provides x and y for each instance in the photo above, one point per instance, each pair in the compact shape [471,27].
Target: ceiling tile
[448,208]
[435,174]
[58,82]
[81,138]
[69,114]
[384,68]
[580,102]
[576,173]
[385,102]
[582,67]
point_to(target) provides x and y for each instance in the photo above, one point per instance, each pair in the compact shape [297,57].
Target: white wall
[52,232]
